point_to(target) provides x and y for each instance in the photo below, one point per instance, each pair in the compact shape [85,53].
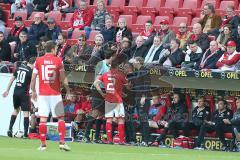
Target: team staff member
[217,124]
[51,72]
[114,81]
[21,97]
[200,114]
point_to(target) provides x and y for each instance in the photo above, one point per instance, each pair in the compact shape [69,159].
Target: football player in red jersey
[51,72]
[114,81]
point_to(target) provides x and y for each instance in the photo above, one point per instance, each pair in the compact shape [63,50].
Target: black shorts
[22,101]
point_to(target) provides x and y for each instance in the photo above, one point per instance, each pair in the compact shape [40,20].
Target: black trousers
[220,130]
[188,127]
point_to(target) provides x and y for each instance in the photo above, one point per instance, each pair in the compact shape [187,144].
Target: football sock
[121,132]
[61,130]
[26,125]
[12,121]
[43,132]
[88,128]
[109,131]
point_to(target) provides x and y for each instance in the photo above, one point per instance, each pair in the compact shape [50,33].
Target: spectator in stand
[62,46]
[231,18]
[230,59]
[236,38]
[193,56]
[122,31]
[53,30]
[109,30]
[200,114]
[41,46]
[99,16]
[211,22]
[200,37]
[224,37]
[24,49]
[148,31]
[3,67]
[155,53]
[5,49]
[2,23]
[96,55]
[174,119]
[81,19]
[174,56]
[79,53]
[218,124]
[156,112]
[58,5]
[211,56]
[139,50]
[17,28]
[125,47]
[183,35]
[18,5]
[41,5]
[37,29]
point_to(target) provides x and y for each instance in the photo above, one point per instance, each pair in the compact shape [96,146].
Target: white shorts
[114,110]
[53,104]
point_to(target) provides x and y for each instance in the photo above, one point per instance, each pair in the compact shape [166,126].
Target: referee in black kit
[21,97]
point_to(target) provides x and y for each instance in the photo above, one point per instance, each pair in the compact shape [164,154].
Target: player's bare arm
[33,86]
[5,94]
[97,85]
[65,83]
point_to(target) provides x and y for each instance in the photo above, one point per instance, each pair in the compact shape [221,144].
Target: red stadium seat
[42,14]
[6,14]
[129,19]
[211,103]
[178,20]
[57,15]
[64,24]
[21,14]
[76,33]
[93,34]
[116,7]
[5,6]
[195,20]
[188,103]
[28,23]
[152,8]
[188,8]
[141,20]
[232,103]
[72,41]
[68,16]
[133,8]
[158,19]
[170,8]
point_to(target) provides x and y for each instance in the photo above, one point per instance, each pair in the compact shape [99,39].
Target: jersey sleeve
[101,78]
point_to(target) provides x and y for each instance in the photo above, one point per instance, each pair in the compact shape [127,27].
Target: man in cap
[53,30]
[229,60]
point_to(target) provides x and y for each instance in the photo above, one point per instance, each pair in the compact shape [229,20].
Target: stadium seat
[139,25]
[232,103]
[129,19]
[92,35]
[68,16]
[223,6]
[210,102]
[76,33]
[6,14]
[188,8]
[116,7]
[211,38]
[72,41]
[178,20]
[5,6]
[21,14]
[188,103]
[152,8]
[158,19]
[195,20]
[170,8]
[42,14]
[57,15]
[64,24]
[133,8]
[28,23]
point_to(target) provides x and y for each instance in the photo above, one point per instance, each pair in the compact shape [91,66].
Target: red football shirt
[48,68]
[114,81]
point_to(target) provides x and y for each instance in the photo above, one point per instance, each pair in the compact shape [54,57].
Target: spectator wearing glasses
[211,22]
[183,34]
[148,31]
[5,49]
[109,30]
[79,53]
[224,37]
[53,30]
[37,29]
[230,59]
[24,49]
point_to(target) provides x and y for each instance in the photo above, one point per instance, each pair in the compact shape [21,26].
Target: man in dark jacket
[53,30]
[211,56]
[174,57]
[5,49]
[24,49]
[41,5]
[217,124]
[109,30]
[37,29]
[139,50]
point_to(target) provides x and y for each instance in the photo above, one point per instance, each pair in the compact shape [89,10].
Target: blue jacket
[53,34]
[36,31]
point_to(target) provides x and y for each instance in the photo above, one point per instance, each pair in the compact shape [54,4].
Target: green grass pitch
[23,149]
